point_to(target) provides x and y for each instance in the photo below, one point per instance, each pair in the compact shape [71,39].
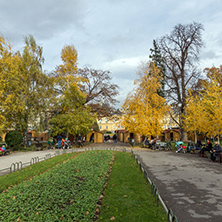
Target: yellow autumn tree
[212,101]
[144,110]
[193,117]
[67,82]
[203,110]
[11,83]
[71,116]
[6,61]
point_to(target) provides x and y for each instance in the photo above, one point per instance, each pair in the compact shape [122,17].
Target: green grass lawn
[128,197]
[67,192]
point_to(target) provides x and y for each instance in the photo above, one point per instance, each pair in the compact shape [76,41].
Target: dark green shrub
[14,139]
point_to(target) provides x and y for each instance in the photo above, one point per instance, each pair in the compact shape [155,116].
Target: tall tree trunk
[183,135]
[195,133]
[181,120]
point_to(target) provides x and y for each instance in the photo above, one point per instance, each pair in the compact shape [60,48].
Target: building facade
[109,124]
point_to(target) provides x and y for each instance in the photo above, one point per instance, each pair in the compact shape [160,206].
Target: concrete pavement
[190,185]
[24,157]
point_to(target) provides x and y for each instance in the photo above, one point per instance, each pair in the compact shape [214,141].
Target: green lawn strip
[30,171]
[69,191]
[128,197]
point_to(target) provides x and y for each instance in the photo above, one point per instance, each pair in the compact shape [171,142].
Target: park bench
[39,146]
[166,145]
[194,150]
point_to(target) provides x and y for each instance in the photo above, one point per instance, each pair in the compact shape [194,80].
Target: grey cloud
[209,55]
[43,19]
[111,34]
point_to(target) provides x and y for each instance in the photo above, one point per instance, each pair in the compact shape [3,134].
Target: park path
[24,157]
[190,185]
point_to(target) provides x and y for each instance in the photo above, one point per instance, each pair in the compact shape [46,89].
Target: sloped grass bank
[128,197]
[68,192]
[31,171]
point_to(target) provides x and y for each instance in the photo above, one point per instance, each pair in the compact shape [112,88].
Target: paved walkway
[190,185]
[24,157]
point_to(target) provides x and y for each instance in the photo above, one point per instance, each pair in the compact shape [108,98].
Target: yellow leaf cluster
[203,111]
[69,58]
[144,109]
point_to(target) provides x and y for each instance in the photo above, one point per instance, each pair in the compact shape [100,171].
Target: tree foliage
[68,96]
[24,86]
[13,139]
[8,70]
[77,121]
[203,111]
[35,86]
[71,116]
[158,60]
[144,110]
[194,118]
[100,91]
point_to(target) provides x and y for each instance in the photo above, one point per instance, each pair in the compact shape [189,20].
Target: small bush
[13,139]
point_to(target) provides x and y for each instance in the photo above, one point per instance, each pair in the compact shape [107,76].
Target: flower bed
[68,192]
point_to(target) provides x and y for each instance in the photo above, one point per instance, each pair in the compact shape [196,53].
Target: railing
[170,216]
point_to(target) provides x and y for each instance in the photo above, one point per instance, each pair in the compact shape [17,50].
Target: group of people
[202,147]
[214,150]
[150,143]
[106,138]
[66,143]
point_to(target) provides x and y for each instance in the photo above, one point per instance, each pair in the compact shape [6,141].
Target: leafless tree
[180,53]
[100,90]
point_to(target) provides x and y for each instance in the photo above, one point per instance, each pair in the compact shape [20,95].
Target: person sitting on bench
[216,152]
[190,146]
[207,148]
[198,145]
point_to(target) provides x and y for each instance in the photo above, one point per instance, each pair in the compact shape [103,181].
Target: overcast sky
[114,35]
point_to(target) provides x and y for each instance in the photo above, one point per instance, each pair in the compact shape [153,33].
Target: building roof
[97,131]
[122,131]
[168,130]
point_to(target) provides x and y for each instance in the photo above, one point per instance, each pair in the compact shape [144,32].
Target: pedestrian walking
[59,140]
[115,138]
[79,141]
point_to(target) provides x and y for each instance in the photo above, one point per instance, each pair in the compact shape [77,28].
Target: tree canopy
[71,116]
[100,91]
[144,109]
[203,110]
